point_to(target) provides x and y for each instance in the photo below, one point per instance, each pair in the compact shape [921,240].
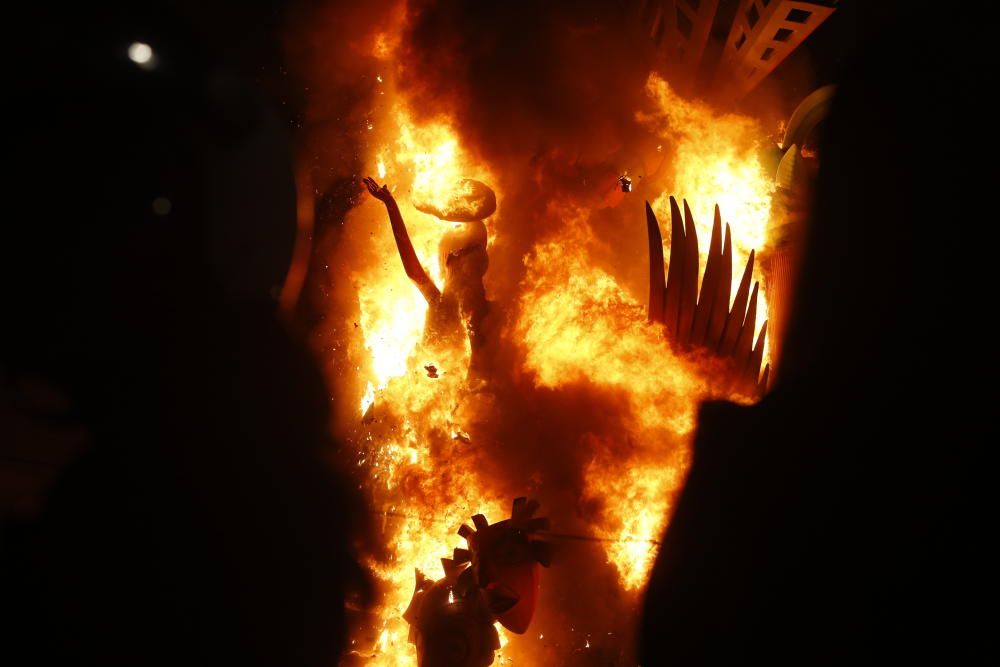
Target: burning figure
[460,307]
[494,580]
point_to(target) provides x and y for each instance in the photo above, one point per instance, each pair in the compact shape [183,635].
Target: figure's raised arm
[411,263]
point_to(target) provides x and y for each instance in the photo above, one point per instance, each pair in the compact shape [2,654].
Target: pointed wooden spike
[737,314]
[657,284]
[762,385]
[675,271]
[465,531]
[744,343]
[689,283]
[756,357]
[723,287]
[448,565]
[709,284]
[480,521]
[461,555]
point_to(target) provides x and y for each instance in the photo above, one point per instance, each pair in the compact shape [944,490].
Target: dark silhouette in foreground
[845,518]
[194,518]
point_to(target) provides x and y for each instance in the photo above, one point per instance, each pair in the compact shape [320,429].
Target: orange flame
[414,413]
[575,323]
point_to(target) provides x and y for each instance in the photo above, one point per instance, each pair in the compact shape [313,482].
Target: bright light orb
[141,54]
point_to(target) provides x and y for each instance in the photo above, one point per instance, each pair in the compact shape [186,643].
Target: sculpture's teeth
[762,385]
[703,318]
[689,283]
[753,368]
[675,270]
[657,286]
[741,354]
[709,284]
[724,286]
[734,321]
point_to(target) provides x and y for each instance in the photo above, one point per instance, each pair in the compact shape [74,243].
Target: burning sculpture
[570,322]
[585,405]
[460,307]
[495,579]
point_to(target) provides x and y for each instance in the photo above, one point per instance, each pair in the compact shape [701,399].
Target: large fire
[415,389]
[577,324]
[573,323]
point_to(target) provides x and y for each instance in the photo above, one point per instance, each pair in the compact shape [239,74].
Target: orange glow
[578,324]
[414,414]
[573,323]
[421,161]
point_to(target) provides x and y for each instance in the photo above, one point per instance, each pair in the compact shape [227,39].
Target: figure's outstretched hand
[380,193]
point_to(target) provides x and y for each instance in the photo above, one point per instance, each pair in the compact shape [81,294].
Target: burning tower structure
[726,46]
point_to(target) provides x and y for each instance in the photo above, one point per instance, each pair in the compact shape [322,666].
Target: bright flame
[419,412]
[575,323]
[427,161]
[368,399]
[578,324]
[644,493]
